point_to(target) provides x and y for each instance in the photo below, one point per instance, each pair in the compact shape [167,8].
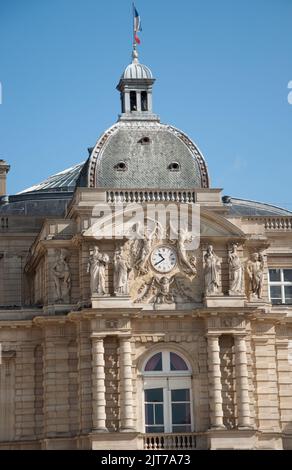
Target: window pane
[159,414]
[177,363]
[186,428]
[154,395]
[288,294]
[180,395]
[181,413]
[155,363]
[288,275]
[275,275]
[149,414]
[275,292]
[154,428]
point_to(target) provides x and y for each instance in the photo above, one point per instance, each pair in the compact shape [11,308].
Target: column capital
[213,334]
[97,337]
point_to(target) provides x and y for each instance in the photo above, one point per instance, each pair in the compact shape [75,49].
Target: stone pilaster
[98,384]
[24,391]
[126,385]
[216,402]
[242,382]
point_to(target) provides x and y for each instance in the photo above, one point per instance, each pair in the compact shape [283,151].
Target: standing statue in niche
[235,271]
[62,277]
[96,267]
[121,272]
[212,268]
[255,272]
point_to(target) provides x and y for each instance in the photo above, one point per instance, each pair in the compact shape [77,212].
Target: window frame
[168,380]
[282,284]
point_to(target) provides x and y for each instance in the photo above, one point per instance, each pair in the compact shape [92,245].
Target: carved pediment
[214,225]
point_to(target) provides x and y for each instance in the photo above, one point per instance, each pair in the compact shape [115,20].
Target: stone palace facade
[146,342]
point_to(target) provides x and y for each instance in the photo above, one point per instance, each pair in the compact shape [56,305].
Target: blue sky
[222,70]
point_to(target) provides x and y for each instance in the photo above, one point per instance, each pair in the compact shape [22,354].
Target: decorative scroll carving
[62,277]
[165,290]
[96,267]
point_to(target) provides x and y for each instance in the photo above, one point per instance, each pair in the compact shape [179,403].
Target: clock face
[163,259]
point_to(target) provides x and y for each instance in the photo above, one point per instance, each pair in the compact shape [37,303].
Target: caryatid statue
[235,271]
[211,270]
[121,272]
[62,277]
[96,267]
[255,272]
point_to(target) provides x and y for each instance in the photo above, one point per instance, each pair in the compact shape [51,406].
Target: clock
[163,259]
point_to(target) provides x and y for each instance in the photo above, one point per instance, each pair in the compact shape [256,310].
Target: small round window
[144,141]
[121,166]
[174,166]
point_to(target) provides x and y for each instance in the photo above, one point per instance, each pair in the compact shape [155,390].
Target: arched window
[144,101]
[167,394]
[133,100]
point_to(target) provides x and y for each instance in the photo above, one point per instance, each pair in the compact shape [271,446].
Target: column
[242,382]
[138,94]
[215,382]
[127,105]
[98,385]
[149,98]
[126,385]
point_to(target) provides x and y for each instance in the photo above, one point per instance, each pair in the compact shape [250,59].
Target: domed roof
[137,71]
[63,181]
[139,155]
[244,207]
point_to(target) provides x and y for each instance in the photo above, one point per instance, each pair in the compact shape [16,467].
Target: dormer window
[121,166]
[174,166]
[144,141]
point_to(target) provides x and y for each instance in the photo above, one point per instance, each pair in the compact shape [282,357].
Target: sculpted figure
[61,276]
[235,271]
[121,270]
[96,267]
[164,295]
[144,251]
[212,268]
[189,265]
[255,272]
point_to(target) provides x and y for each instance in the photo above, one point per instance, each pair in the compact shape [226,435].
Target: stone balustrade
[278,223]
[174,441]
[123,196]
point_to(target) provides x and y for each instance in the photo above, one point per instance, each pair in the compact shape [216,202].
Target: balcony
[174,441]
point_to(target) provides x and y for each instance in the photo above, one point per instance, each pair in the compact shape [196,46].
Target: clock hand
[159,261]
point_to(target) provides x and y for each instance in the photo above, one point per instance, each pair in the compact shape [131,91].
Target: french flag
[137,25]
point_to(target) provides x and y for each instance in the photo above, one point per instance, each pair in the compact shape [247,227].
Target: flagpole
[134,53]
[133,25]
